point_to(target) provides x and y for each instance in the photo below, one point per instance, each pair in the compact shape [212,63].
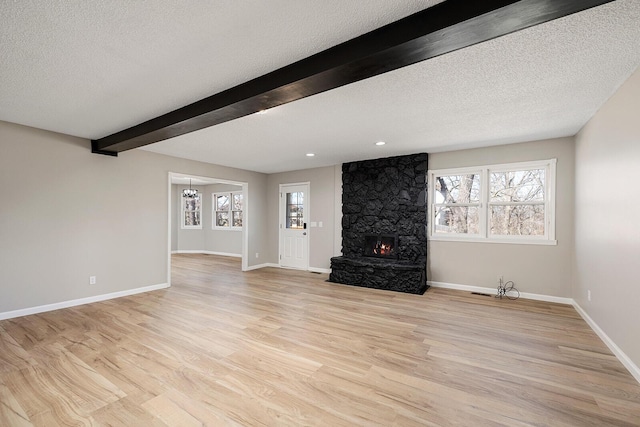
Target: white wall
[323,202]
[535,269]
[607,229]
[67,214]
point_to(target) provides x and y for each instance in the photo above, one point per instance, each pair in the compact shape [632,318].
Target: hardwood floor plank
[170,412]
[125,412]
[11,413]
[64,384]
[284,347]
[12,356]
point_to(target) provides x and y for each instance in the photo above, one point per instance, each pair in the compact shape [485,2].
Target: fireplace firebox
[381,246]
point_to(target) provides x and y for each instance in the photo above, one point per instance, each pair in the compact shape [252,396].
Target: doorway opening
[216,224]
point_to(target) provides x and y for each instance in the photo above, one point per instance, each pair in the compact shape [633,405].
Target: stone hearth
[384,197]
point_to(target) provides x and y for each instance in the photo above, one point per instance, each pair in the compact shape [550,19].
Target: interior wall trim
[494,291]
[620,355]
[265,265]
[81,301]
[617,351]
[207,253]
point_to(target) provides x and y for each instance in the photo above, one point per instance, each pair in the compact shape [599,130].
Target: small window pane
[192,218]
[237,218]
[458,189]
[191,204]
[519,220]
[295,210]
[222,203]
[293,222]
[237,202]
[222,219]
[296,198]
[517,186]
[458,220]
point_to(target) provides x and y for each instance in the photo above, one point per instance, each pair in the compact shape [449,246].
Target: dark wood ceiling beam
[444,28]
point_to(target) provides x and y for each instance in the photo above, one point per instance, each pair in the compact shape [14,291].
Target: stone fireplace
[384,224]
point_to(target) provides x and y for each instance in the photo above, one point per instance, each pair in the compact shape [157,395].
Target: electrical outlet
[589,295]
[257,255]
[92,280]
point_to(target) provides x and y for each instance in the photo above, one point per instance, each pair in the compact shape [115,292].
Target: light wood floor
[278,347]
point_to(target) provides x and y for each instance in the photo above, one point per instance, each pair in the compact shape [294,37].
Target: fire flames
[382,248]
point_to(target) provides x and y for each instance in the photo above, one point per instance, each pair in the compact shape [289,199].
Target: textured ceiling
[91,68]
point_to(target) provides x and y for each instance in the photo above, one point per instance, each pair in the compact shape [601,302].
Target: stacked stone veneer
[384,196]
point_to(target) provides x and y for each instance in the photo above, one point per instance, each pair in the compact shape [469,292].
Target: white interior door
[294,233]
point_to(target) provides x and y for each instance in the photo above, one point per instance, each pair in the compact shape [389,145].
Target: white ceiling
[92,68]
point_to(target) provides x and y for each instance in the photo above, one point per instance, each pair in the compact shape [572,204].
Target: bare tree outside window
[191,210]
[502,203]
[457,204]
[228,209]
[517,203]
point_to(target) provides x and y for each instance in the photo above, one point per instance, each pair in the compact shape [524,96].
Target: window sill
[543,242]
[227,228]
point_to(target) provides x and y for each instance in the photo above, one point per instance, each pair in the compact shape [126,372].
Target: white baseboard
[457,287]
[80,301]
[547,298]
[208,253]
[622,357]
[494,291]
[319,270]
[258,266]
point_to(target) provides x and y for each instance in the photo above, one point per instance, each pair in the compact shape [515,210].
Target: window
[457,207]
[295,210]
[499,203]
[191,211]
[227,211]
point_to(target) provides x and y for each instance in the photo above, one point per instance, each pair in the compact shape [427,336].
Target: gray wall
[205,239]
[78,214]
[189,239]
[174,219]
[607,229]
[221,241]
[323,202]
[536,269]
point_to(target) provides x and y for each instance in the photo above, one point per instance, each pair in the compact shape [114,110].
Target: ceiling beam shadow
[443,28]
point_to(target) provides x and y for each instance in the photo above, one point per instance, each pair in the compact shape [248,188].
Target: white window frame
[214,222]
[183,210]
[483,235]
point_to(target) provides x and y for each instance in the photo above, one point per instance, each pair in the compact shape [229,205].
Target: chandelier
[190,193]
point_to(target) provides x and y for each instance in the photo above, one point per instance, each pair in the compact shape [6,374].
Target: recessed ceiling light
[379,143]
[310,154]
